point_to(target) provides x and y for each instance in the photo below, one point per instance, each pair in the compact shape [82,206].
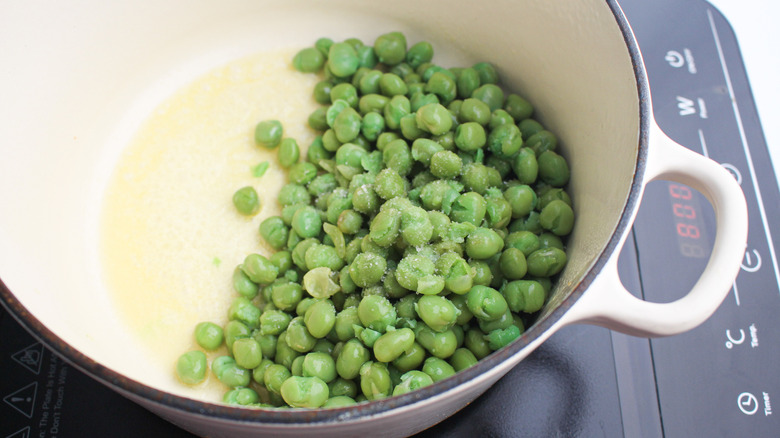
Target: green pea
[525,241]
[470,136]
[351,358]
[420,98]
[230,373]
[208,335]
[438,344]
[284,354]
[340,387]
[275,375]
[558,217]
[392,85]
[525,166]
[306,222]
[483,243]
[347,125]
[397,156]
[268,133]
[274,322]
[243,285]
[446,164]
[233,330]
[259,269]
[434,118]
[524,295]
[393,344]
[423,149]
[519,108]
[419,53]
[241,396]
[389,184]
[469,207]
[247,353]
[522,199]
[320,365]
[476,343]
[474,110]
[375,382]
[475,178]
[343,60]
[373,103]
[321,283]
[486,303]
[462,358]
[505,140]
[321,92]
[274,232]
[498,211]
[442,85]
[491,94]
[553,169]
[191,367]
[411,269]
[437,368]
[298,336]
[390,48]
[546,262]
[416,227]
[377,313]
[246,201]
[302,173]
[500,117]
[373,125]
[542,141]
[242,309]
[487,72]
[550,240]
[369,83]
[500,338]
[529,127]
[468,81]
[322,184]
[513,264]
[286,296]
[304,392]
[412,381]
[291,194]
[309,60]
[323,256]
[437,312]
[320,318]
[398,107]
[346,92]
[259,371]
[367,57]
[339,401]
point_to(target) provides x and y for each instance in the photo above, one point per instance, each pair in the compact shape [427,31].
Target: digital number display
[688,222]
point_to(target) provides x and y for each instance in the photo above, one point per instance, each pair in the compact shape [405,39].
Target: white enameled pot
[76,75]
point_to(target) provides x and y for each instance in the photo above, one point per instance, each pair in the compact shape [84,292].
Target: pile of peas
[422,232]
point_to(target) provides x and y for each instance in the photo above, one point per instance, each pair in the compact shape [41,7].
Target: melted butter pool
[170,236]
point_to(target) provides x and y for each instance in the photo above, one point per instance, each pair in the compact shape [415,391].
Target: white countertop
[755,23]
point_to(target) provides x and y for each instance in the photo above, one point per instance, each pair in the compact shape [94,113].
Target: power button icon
[747,403]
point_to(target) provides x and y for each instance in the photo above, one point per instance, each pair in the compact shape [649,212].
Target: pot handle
[607,302]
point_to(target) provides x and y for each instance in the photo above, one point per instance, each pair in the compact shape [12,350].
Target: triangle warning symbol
[23,399]
[21,433]
[30,357]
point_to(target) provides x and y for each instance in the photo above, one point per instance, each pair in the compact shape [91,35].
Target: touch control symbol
[751,263]
[747,403]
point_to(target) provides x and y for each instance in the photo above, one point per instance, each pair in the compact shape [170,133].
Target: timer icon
[747,403]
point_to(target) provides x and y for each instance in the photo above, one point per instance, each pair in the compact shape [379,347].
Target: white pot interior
[79,78]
